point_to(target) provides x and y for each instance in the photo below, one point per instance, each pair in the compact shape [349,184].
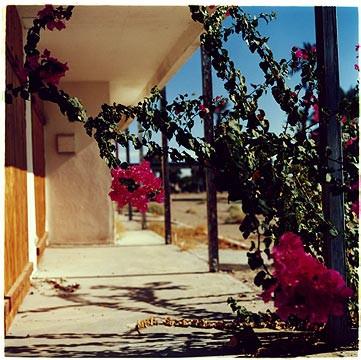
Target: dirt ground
[191,209]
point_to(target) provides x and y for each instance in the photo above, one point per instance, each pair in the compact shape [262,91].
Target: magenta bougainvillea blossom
[52,22]
[303,54]
[48,68]
[316,114]
[304,286]
[219,103]
[136,185]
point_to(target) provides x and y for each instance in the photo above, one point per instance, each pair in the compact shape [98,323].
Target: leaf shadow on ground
[157,342]
[152,298]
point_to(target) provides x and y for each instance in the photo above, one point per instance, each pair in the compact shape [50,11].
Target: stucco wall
[78,207]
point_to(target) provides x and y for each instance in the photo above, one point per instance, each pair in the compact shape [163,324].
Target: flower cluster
[304,287]
[51,18]
[219,103]
[47,68]
[303,54]
[203,110]
[136,185]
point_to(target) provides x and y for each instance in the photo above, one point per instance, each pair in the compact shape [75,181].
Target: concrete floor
[119,285]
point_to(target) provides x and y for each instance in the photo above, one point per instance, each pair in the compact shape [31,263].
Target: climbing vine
[276,177]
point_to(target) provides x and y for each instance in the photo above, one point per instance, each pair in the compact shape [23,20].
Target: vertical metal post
[331,153]
[141,157]
[127,151]
[116,150]
[165,175]
[210,183]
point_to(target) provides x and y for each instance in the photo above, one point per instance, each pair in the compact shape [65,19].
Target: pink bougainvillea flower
[299,54]
[316,114]
[47,11]
[45,54]
[51,69]
[55,24]
[304,287]
[305,55]
[344,119]
[350,141]
[52,22]
[144,186]
[355,186]
[228,12]
[203,109]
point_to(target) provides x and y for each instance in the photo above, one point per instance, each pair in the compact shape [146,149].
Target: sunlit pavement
[119,285]
[115,286]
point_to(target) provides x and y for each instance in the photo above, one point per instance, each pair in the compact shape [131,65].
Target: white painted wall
[79,210]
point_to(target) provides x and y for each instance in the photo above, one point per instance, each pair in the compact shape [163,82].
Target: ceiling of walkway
[132,47]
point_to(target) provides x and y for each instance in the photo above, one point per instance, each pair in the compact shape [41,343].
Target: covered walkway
[114,287]
[119,285]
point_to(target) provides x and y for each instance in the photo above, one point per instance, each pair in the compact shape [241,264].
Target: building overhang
[132,47]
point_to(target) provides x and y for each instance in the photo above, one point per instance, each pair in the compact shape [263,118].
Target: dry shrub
[156,209]
[119,226]
[191,211]
[235,215]
[188,238]
[184,237]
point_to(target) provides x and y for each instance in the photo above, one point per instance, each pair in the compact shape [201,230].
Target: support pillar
[141,157]
[331,153]
[127,154]
[165,176]
[212,224]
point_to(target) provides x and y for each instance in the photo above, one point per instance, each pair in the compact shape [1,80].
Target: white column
[32,237]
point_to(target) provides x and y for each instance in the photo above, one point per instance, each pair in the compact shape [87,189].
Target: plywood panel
[16,219]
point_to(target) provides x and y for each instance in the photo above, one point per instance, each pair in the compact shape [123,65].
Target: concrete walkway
[120,285]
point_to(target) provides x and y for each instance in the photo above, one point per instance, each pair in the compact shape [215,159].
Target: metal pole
[116,150]
[141,157]
[165,175]
[331,153]
[210,183]
[130,210]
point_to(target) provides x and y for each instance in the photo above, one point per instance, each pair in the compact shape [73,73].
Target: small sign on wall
[65,143]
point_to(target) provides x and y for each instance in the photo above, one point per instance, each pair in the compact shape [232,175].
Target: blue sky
[292,27]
